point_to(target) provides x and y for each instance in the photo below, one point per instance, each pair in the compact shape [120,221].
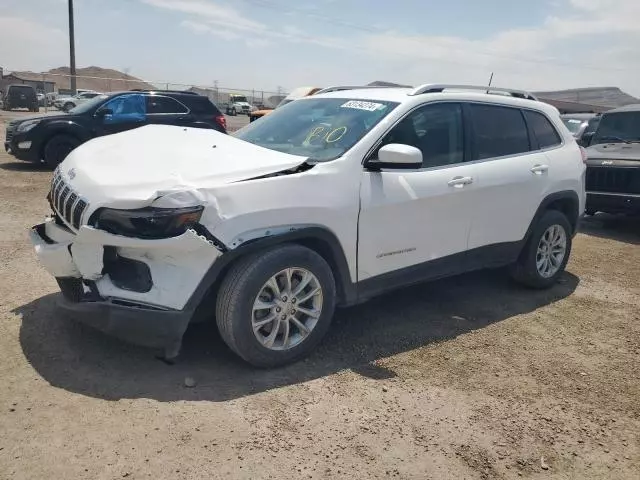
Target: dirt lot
[469,378]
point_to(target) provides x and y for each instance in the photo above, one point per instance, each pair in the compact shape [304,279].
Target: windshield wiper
[614,138]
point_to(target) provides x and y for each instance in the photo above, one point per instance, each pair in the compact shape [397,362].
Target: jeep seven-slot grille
[613,179]
[66,202]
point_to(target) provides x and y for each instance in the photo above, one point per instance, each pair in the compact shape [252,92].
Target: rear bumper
[613,202]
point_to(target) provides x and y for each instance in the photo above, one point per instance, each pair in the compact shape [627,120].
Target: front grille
[613,179]
[66,203]
[9,133]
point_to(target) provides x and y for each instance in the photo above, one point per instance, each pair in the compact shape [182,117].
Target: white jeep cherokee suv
[325,202]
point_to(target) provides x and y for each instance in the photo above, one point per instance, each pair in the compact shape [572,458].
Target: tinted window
[320,129]
[436,130]
[498,131]
[160,104]
[545,133]
[201,105]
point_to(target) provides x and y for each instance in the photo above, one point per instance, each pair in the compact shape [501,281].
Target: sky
[266,44]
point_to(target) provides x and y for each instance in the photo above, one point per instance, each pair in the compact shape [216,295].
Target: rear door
[512,175]
[164,110]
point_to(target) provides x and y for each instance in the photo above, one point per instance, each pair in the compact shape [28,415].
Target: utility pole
[72,50]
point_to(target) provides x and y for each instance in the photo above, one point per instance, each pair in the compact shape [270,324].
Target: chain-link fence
[57,84]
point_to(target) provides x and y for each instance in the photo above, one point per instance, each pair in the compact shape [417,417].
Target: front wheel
[274,307]
[546,253]
[67,106]
[57,149]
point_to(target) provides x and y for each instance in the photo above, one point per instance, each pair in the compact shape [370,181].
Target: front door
[125,112]
[415,224]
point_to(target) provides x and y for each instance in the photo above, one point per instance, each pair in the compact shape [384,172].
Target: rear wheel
[546,253]
[275,307]
[67,106]
[57,149]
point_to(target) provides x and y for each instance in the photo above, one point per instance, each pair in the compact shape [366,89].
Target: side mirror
[586,139]
[103,112]
[396,156]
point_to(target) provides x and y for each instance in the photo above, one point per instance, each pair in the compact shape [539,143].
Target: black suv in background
[20,96]
[52,138]
[613,163]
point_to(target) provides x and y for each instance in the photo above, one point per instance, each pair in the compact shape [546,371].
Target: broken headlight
[148,222]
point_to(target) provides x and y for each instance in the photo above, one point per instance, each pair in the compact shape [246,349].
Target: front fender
[66,127]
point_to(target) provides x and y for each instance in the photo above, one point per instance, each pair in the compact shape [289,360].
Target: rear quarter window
[202,105]
[21,89]
[544,132]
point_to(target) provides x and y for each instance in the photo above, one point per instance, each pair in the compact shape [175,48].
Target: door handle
[459,182]
[539,169]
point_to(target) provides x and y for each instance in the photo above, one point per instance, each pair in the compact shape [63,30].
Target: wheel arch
[74,132]
[566,202]
[319,239]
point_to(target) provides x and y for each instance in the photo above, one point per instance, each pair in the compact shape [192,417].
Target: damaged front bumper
[134,289]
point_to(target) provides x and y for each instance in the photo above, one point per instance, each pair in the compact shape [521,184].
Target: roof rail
[339,88]
[159,90]
[440,87]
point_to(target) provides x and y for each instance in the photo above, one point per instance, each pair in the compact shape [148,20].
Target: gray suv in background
[613,162]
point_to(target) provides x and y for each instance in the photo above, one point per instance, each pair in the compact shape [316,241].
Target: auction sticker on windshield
[368,106]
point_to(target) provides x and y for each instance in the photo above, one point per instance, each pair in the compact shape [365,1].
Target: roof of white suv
[404,95]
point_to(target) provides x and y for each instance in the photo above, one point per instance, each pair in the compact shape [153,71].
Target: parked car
[294,95]
[51,138]
[334,199]
[20,96]
[613,163]
[580,124]
[67,103]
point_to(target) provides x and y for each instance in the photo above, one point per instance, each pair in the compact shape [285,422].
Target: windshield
[239,99]
[321,129]
[618,127]
[88,105]
[284,102]
[573,124]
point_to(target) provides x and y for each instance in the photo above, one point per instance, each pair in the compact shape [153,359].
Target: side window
[125,108]
[436,130]
[498,131]
[160,104]
[543,130]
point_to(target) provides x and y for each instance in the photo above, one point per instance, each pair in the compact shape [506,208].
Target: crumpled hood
[614,151]
[134,167]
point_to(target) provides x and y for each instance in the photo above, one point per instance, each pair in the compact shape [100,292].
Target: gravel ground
[470,378]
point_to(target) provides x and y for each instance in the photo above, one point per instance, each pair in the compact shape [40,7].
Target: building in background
[27,78]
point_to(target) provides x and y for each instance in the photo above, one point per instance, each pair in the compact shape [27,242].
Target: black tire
[241,286]
[57,148]
[67,106]
[525,271]
[233,112]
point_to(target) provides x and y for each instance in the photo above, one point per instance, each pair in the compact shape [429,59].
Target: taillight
[583,152]
[220,120]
